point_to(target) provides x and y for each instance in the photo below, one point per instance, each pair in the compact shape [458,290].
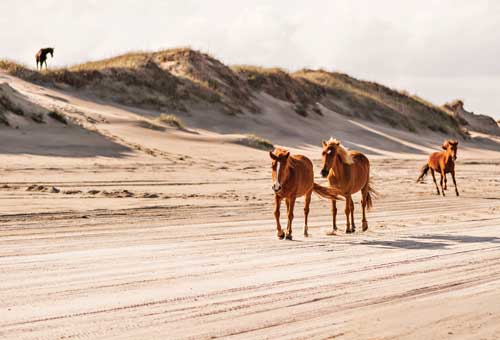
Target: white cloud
[438,49]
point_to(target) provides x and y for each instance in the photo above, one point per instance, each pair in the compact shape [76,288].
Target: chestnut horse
[442,162]
[293,177]
[41,56]
[347,172]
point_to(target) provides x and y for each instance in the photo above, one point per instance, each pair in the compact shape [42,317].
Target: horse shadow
[405,244]
[429,241]
[461,238]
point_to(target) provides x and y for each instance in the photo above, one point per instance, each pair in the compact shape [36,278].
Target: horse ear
[324,143]
[445,145]
[287,154]
[272,155]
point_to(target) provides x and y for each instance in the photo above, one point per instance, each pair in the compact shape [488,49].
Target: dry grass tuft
[256,142]
[171,120]
[58,116]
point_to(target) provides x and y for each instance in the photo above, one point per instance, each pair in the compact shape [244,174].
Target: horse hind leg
[454,182]
[353,225]
[445,182]
[364,203]
[306,212]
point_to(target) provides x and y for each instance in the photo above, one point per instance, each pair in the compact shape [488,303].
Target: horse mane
[292,162]
[342,151]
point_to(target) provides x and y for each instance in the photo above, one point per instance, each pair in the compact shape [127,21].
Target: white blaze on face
[276,184]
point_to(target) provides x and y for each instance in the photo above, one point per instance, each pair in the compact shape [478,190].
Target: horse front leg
[277,205]
[434,179]
[334,217]
[306,212]
[441,182]
[347,212]
[454,182]
[290,206]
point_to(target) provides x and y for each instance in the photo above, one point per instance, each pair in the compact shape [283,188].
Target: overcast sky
[440,50]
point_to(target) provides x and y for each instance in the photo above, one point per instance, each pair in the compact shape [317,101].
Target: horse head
[451,146]
[279,159]
[332,148]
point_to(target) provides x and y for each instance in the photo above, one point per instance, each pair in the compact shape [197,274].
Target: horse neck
[338,166]
[447,155]
[287,173]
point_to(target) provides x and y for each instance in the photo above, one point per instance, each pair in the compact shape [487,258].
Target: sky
[439,50]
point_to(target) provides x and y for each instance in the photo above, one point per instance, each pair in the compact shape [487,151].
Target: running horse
[293,177]
[442,162]
[347,172]
[41,56]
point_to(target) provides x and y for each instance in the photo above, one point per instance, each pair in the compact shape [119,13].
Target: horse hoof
[288,236]
[306,234]
[348,231]
[365,226]
[281,236]
[331,233]
[457,194]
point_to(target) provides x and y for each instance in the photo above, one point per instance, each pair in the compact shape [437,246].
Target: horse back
[303,165]
[435,160]
[360,169]
[354,176]
[302,174]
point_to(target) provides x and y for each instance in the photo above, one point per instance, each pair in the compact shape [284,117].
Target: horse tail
[370,191]
[327,192]
[424,171]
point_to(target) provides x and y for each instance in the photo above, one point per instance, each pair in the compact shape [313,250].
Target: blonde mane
[343,153]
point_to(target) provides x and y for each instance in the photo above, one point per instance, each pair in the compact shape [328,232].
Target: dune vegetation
[175,79]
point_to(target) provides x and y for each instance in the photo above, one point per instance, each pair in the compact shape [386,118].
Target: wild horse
[41,56]
[293,177]
[348,172]
[442,162]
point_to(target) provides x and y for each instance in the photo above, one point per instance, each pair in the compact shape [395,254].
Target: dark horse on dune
[41,56]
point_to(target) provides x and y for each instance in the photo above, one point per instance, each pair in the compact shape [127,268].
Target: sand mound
[472,121]
[17,110]
[187,81]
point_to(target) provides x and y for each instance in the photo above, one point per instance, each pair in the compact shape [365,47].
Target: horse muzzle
[276,187]
[324,173]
